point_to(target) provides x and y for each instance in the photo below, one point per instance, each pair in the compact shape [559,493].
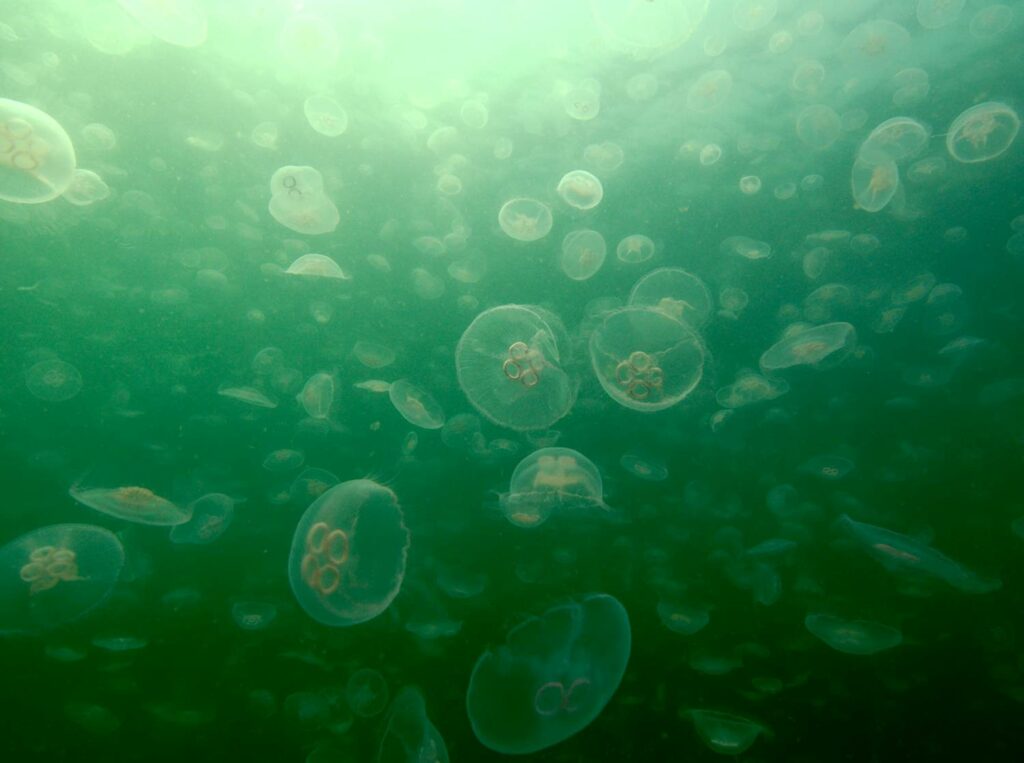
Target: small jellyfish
[373,355]
[635,249]
[317,266]
[675,292]
[474,114]
[325,115]
[248,395]
[583,254]
[179,22]
[710,154]
[298,201]
[750,388]
[37,160]
[710,90]
[861,637]
[647,469]
[426,285]
[56,574]
[551,678]
[818,346]
[253,615]
[211,517]
[935,14]
[580,189]
[525,219]
[876,46]
[317,395]
[583,102]
[645,359]
[874,180]
[606,156]
[827,468]
[53,380]
[133,504]
[416,405]
[349,553]
[683,619]
[508,363]
[409,736]
[818,126]
[750,185]
[991,21]
[751,15]
[86,188]
[899,139]
[367,693]
[550,480]
[264,135]
[311,484]
[982,132]
[748,248]
[724,733]
[642,87]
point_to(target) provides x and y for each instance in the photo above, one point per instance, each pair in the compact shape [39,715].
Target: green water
[821,537]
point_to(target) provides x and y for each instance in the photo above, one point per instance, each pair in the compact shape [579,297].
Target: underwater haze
[414,381]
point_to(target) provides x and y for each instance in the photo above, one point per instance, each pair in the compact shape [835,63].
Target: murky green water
[426,380]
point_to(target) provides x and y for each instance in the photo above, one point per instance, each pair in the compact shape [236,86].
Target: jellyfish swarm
[645,359]
[132,503]
[861,637]
[829,342]
[37,160]
[298,201]
[348,555]
[551,678]
[409,736]
[551,479]
[903,555]
[56,574]
[509,365]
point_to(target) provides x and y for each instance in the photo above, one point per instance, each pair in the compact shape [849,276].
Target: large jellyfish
[37,160]
[348,554]
[509,364]
[549,480]
[551,678]
[56,574]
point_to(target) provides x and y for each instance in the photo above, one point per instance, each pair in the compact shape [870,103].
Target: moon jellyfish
[751,15]
[710,90]
[899,138]
[877,45]
[724,733]
[86,188]
[253,615]
[750,185]
[248,395]
[935,14]
[818,346]
[474,114]
[583,102]
[551,678]
[583,254]
[349,552]
[37,160]
[682,618]
[317,266]
[525,219]
[644,29]
[317,395]
[56,574]
[747,248]
[818,127]
[903,555]
[580,189]
[675,292]
[991,21]
[325,115]
[710,154]
[53,380]
[750,388]
[549,480]
[508,363]
[373,355]
[982,132]
[649,470]
[827,468]
[635,249]
[409,736]
[211,517]
[606,156]
[645,359]
[416,405]
[874,180]
[853,636]
[179,22]
[133,504]
[298,201]
[367,693]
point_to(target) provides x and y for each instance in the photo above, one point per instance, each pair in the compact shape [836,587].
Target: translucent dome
[37,160]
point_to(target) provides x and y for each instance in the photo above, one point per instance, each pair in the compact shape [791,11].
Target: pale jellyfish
[253,615]
[645,30]
[99,137]
[991,21]
[211,517]
[745,247]
[373,355]
[583,254]
[818,126]
[580,189]
[409,736]
[179,22]
[416,405]
[283,460]
[675,292]
[818,346]
[474,114]
[311,484]
[325,115]
[317,395]
[426,285]
[642,87]
[751,15]
[724,733]
[551,678]
[647,469]
[367,693]
[780,42]
[810,23]
[264,135]
[683,619]
[899,138]
[525,219]
[550,480]
[912,87]
[248,395]
[86,188]
[750,388]
[874,180]
[876,45]
[606,156]
[861,637]
[317,266]
[509,364]
[934,14]
[583,102]
[645,359]
[710,90]
[710,154]
[750,185]
[134,504]
[37,160]
[349,553]
[298,201]
[634,249]
[53,380]
[308,45]
[56,574]
[469,269]
[828,468]
[982,132]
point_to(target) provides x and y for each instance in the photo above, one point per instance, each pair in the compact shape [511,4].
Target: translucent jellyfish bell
[409,736]
[874,180]
[179,22]
[643,29]
[37,160]
[829,342]
[133,504]
[325,115]
[583,254]
[525,219]
[645,359]
[853,636]
[298,201]
[416,405]
[634,249]
[56,574]
[509,366]
[982,132]
[550,480]
[551,678]
[676,293]
[349,552]
[317,395]
[53,380]
[211,517]
[724,733]
[367,692]
[580,189]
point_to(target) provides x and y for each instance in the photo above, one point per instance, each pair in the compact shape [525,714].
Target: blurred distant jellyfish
[874,180]
[675,292]
[373,355]
[86,188]
[248,395]
[647,469]
[179,22]
[853,636]
[53,380]
[349,552]
[751,15]
[525,219]
[982,132]
[934,14]
[827,468]
[550,480]
[253,615]
[750,388]
[367,693]
[325,115]
[645,359]
[211,517]
[409,736]
[682,618]
[710,90]
[818,126]
[56,574]
[551,678]
[818,346]
[416,405]
[37,160]
[133,504]
[605,157]
[724,733]
[748,248]
[317,395]
[298,201]
[317,266]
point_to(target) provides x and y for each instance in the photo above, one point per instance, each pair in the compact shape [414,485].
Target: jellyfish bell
[982,132]
[874,179]
[646,30]
[818,347]
[367,692]
[409,736]
[580,189]
[133,504]
[583,254]
[675,292]
[551,678]
[37,160]
[348,554]
[645,359]
[53,380]
[416,405]
[550,480]
[325,115]
[861,637]
[525,219]
[724,733]
[211,515]
[56,574]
